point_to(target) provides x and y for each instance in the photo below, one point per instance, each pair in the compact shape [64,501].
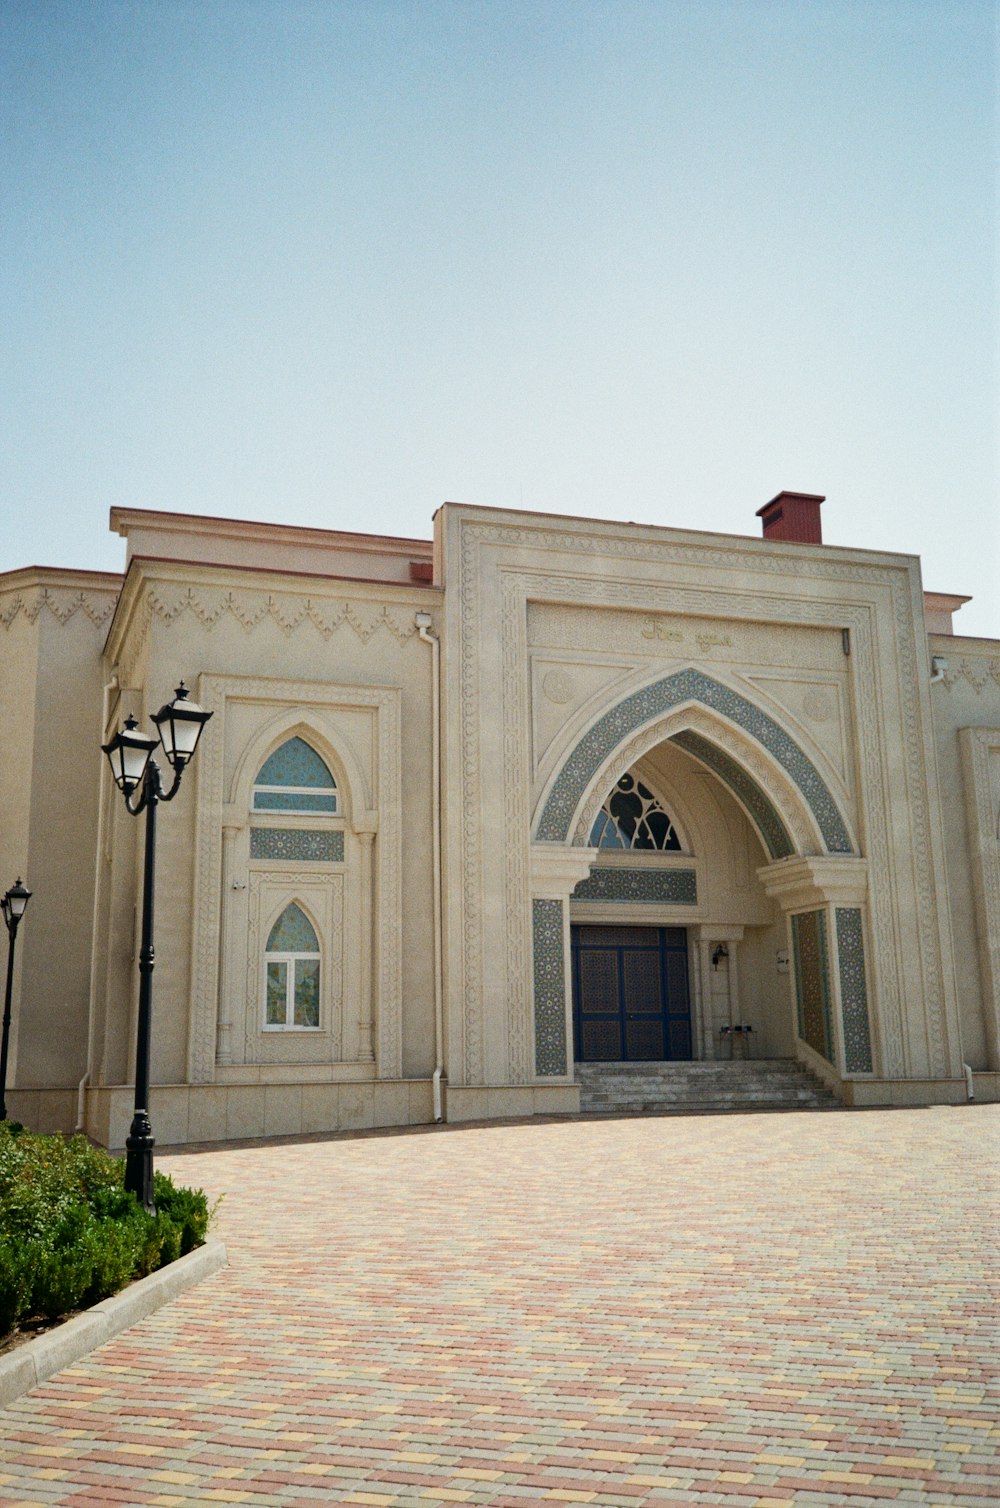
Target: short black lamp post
[179,726]
[12,905]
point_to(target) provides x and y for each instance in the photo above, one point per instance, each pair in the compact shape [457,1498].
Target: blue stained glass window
[293,933]
[294,779]
[632,818]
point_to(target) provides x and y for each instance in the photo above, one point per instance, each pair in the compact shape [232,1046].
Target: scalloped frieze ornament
[250,609]
[977,671]
[64,606]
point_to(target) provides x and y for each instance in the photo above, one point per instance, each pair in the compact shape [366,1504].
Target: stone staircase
[700,1088]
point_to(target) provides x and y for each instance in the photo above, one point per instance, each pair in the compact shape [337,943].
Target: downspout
[423,622]
[970,1088]
[112,685]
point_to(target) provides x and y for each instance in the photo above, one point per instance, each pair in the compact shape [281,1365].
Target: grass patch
[70,1234]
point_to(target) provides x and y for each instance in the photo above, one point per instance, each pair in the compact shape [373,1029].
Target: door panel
[630,994]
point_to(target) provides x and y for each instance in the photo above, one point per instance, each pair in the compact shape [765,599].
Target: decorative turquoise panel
[294,801]
[295,764]
[597,745]
[853,990]
[550,986]
[295,779]
[297,845]
[744,788]
[660,887]
[812,982]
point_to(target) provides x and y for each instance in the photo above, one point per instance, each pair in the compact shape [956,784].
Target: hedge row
[70,1234]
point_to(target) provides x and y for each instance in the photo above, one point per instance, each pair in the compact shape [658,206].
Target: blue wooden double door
[630,994]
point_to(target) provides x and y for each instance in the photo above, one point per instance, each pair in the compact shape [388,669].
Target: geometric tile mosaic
[662,887]
[550,986]
[853,990]
[300,845]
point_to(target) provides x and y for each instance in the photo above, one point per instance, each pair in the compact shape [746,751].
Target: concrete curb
[37,1359]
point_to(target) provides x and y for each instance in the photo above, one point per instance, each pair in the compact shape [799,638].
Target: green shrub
[187,1208]
[72,1234]
[18,1262]
[65,1268]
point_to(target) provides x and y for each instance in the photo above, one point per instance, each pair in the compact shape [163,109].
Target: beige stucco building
[471,811]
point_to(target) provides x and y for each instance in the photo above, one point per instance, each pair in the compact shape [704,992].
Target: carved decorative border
[214,692]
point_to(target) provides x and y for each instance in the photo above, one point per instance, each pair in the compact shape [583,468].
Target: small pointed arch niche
[633,818]
[292,965]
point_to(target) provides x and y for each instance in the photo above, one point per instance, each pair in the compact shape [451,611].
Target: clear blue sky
[333,263]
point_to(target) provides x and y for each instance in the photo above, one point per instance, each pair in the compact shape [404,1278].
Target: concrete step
[691,1088]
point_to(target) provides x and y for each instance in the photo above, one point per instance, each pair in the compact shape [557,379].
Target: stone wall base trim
[43,1110]
[485,1102]
[182,1114]
[293,1073]
[871,1093]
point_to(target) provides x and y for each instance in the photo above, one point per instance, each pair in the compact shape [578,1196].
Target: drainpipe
[111,685]
[938,667]
[970,1088]
[423,622]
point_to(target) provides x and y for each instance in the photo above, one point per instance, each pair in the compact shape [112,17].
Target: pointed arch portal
[590,755]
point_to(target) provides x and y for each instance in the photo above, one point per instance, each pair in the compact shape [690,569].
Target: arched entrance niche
[297,840]
[813,940]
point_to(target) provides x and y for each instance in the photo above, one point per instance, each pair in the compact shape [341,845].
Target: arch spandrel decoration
[593,750]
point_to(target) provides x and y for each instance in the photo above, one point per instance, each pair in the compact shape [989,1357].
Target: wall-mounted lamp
[721,951]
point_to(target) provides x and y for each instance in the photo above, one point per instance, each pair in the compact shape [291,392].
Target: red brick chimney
[793,515]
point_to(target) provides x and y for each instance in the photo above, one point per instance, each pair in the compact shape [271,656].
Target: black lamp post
[12,905]
[179,724]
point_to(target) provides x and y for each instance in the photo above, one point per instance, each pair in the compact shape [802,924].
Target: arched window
[291,973]
[633,818]
[294,779]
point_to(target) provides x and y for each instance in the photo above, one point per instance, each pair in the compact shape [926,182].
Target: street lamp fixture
[13,904]
[179,725]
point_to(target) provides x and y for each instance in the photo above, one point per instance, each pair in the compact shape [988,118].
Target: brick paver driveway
[743,1309]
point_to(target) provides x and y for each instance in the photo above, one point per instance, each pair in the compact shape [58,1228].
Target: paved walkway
[744,1309]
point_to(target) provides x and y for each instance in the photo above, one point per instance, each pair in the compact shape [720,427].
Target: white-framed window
[295,779]
[292,973]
